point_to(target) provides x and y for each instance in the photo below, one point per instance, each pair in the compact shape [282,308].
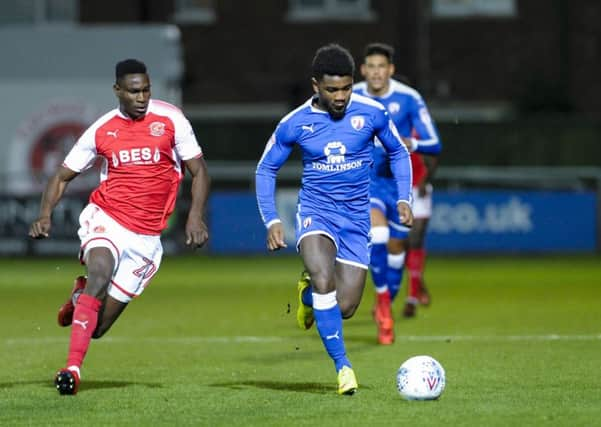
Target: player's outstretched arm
[55,189]
[196,230]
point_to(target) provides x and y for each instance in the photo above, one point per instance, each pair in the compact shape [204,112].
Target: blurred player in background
[391,240]
[335,130]
[144,146]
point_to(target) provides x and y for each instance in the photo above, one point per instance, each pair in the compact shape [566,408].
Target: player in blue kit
[390,238]
[335,130]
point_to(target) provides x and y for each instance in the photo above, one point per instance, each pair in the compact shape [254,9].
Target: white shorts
[422,206]
[137,256]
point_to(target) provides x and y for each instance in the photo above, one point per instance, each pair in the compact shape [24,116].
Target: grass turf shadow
[87,385]
[97,385]
[315,388]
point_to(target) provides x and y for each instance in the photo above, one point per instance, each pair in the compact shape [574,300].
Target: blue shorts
[350,233]
[383,196]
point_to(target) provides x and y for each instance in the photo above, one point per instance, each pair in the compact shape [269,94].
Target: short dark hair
[129,66]
[333,60]
[379,49]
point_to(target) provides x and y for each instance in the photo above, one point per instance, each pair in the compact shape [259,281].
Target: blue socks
[328,319]
[394,274]
[379,264]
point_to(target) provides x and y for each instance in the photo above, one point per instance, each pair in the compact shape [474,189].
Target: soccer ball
[420,378]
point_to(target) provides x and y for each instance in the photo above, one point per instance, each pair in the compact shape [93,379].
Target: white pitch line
[153,340]
[273,339]
[506,338]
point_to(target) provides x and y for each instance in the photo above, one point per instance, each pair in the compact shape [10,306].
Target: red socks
[85,319]
[383,298]
[415,264]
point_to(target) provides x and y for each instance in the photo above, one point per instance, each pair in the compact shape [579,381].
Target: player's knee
[379,235]
[99,277]
[97,283]
[322,282]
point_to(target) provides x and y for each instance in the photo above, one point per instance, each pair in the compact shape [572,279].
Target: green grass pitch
[213,341]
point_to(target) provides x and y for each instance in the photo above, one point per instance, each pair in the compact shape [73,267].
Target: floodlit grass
[213,341]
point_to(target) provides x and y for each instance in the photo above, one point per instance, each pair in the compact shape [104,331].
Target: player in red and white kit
[423,167]
[145,146]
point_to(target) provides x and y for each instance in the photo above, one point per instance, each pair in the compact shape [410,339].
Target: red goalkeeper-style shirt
[142,164]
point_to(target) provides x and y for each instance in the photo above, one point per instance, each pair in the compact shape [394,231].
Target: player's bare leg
[350,282]
[319,255]
[109,313]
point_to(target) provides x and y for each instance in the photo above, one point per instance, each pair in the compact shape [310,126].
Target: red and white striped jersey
[142,164]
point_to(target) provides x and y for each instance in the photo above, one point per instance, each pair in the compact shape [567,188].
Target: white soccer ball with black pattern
[421,378]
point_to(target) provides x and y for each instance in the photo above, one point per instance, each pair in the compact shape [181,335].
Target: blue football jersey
[409,113]
[336,156]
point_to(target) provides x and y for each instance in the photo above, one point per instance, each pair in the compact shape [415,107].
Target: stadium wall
[466,221]
[463,221]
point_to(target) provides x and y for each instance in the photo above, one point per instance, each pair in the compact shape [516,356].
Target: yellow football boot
[304,313]
[347,382]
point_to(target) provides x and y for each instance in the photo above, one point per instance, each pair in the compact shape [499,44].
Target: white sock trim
[76,369]
[396,260]
[382,289]
[75,297]
[324,301]
[379,235]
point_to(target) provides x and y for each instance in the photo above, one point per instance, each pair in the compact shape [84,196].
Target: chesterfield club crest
[357,122]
